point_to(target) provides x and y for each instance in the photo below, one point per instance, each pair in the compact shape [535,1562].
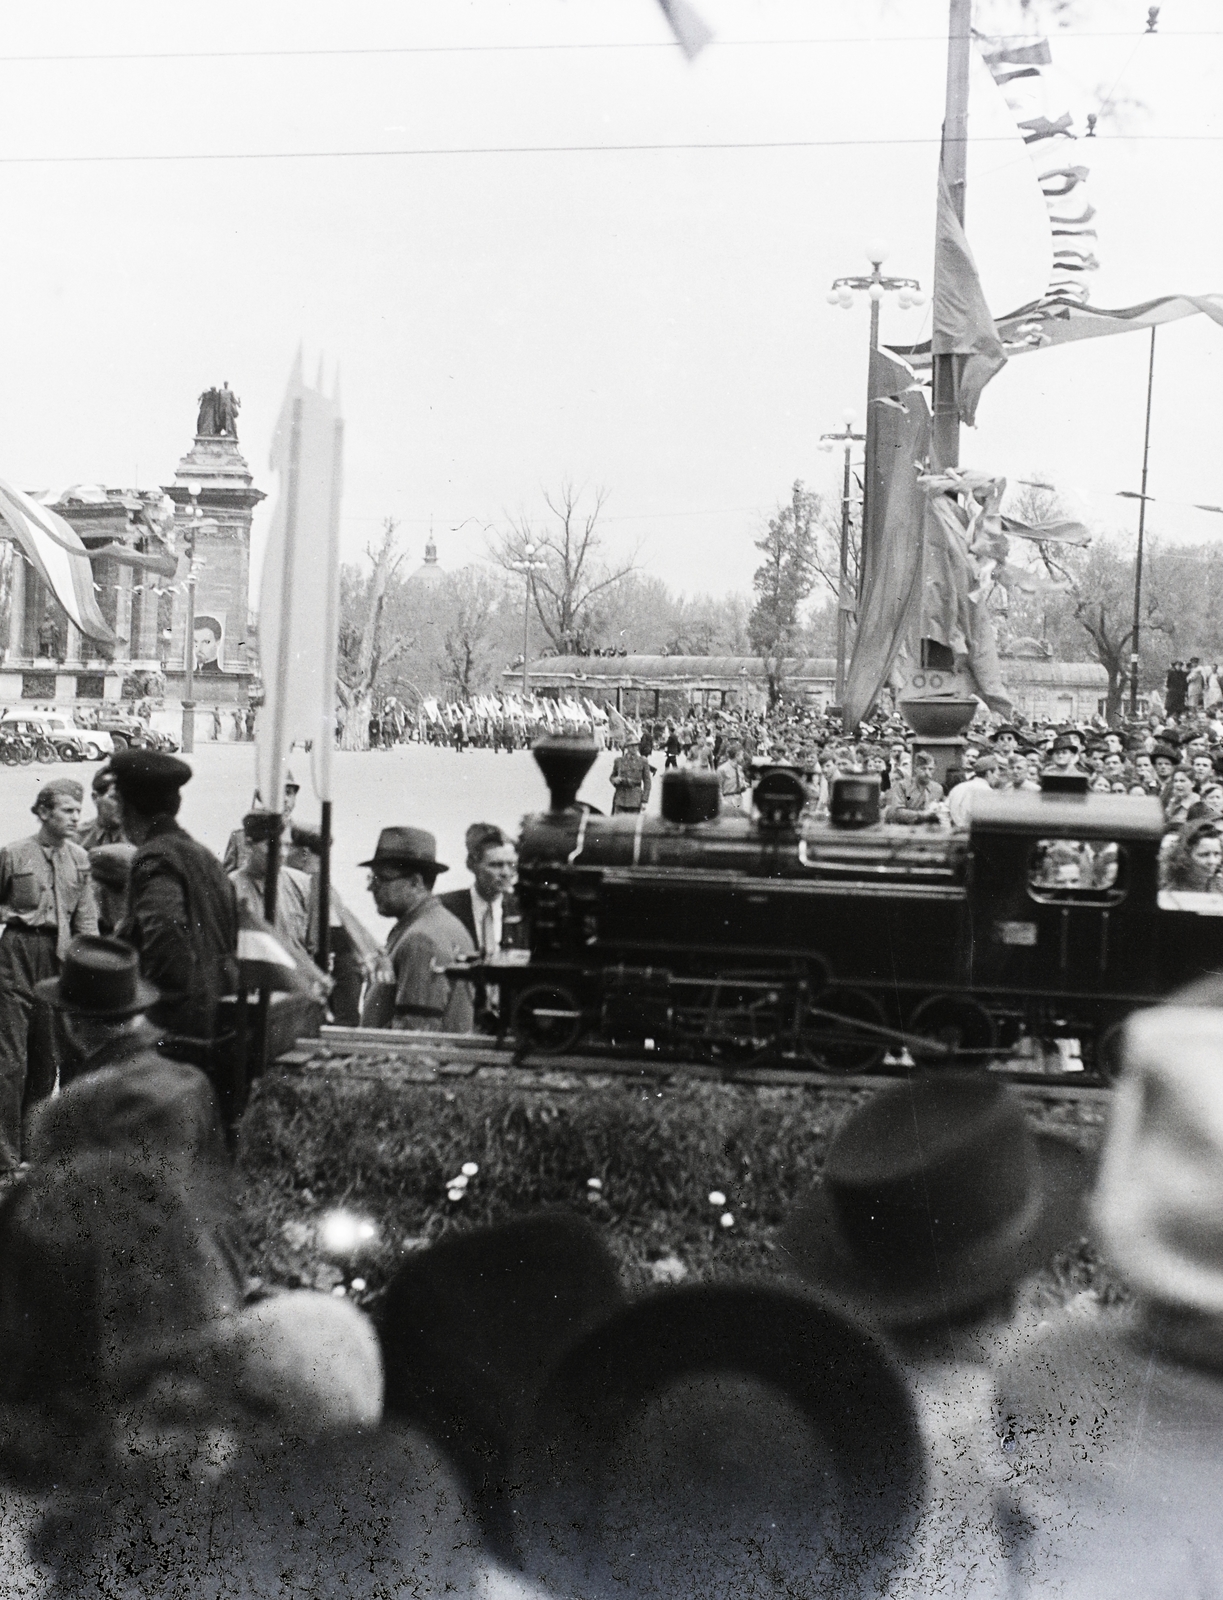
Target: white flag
[299,603]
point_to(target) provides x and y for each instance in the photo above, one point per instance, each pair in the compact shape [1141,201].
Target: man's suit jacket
[458,903]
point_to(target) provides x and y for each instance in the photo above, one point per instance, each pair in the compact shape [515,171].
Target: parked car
[54,737]
[125,731]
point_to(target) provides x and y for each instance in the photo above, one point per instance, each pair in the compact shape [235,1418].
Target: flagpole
[1142,524]
[326,733]
[953,160]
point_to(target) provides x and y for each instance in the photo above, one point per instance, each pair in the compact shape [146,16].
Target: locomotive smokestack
[564,762]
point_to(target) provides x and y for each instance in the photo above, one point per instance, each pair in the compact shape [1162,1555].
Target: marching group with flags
[499,722]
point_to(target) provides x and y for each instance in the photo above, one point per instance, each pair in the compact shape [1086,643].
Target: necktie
[488,942]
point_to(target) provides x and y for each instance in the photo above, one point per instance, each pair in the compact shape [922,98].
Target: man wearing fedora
[415,995]
[101,1000]
[45,898]
[937,1202]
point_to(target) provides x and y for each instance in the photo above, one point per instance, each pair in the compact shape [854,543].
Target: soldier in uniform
[182,916]
[630,778]
[292,855]
[45,898]
[104,841]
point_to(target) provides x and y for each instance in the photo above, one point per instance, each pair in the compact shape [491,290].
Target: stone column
[16,627]
[72,650]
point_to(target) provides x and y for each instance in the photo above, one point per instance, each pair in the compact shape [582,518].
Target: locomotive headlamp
[779,797]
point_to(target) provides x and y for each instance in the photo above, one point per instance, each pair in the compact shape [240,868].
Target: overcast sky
[652,321]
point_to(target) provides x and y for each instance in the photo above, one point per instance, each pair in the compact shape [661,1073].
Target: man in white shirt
[488,909]
[987,775]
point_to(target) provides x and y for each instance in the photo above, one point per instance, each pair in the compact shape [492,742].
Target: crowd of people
[888,1411]
[510,1419]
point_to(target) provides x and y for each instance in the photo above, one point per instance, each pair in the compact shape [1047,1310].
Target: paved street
[435,789]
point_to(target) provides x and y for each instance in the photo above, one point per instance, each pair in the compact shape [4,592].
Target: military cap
[46,795]
[150,779]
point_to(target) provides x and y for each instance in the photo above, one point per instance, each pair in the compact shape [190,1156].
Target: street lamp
[194,490]
[848,438]
[528,564]
[908,293]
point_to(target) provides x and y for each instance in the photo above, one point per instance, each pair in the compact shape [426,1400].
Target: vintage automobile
[54,736]
[840,943]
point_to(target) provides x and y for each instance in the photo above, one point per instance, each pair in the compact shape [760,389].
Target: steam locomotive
[843,944]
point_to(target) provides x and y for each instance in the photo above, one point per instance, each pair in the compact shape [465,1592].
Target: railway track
[380,1055]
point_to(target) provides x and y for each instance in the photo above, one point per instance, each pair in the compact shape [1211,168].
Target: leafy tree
[783,581]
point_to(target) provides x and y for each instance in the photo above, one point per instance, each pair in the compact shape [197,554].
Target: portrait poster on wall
[209,643]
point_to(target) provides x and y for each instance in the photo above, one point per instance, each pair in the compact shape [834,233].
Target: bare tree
[573,572]
[471,597]
[362,655]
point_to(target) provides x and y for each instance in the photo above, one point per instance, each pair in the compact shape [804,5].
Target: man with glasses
[413,994]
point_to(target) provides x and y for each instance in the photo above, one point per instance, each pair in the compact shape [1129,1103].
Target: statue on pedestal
[218,414]
[49,647]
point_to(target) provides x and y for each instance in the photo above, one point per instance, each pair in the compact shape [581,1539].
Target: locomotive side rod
[910,1041]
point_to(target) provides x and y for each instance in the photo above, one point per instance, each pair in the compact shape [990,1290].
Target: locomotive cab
[1062,892]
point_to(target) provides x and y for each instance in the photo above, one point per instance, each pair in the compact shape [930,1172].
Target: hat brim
[405,861]
[811,1245]
[145,997]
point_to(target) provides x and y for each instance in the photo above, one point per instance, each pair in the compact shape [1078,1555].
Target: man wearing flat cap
[414,996]
[45,898]
[181,918]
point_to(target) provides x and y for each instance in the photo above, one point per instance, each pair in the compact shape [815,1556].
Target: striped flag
[54,550]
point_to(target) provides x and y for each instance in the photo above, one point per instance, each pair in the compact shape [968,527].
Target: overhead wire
[421,151]
[541,48]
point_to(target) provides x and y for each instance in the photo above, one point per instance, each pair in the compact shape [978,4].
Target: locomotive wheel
[841,1048]
[953,1020]
[547,1019]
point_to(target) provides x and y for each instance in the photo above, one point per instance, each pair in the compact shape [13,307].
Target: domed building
[429,571]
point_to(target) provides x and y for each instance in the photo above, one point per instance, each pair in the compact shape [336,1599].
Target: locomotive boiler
[845,943]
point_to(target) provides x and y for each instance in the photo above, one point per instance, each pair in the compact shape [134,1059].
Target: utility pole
[908,293]
[848,438]
[1142,525]
[954,165]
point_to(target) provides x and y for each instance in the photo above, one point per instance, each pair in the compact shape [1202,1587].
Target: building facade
[155,554]
[1065,691]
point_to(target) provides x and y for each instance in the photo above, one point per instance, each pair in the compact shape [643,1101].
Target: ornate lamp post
[908,293]
[528,564]
[848,438]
